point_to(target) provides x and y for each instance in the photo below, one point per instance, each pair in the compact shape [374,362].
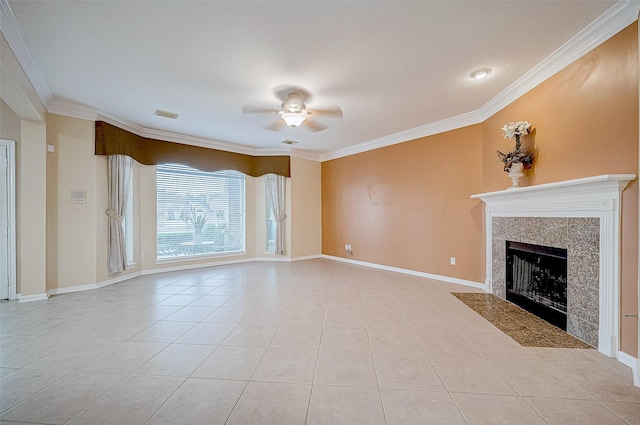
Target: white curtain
[275,186]
[120,174]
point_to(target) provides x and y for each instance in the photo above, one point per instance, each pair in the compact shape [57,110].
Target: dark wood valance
[111,140]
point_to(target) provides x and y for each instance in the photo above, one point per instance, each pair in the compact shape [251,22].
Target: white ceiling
[392,66]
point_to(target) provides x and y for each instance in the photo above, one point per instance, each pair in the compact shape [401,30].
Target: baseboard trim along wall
[409,272]
[91,286]
[633,363]
[30,298]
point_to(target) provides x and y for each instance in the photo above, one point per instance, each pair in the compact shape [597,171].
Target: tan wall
[31,215]
[408,205]
[306,210]
[71,227]
[586,121]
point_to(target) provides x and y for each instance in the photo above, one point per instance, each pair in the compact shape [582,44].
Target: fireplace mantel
[579,194]
[598,197]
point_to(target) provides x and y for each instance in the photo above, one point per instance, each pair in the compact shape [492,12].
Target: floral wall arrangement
[517,155]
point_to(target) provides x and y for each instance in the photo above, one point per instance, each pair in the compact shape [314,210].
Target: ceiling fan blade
[255,110]
[276,125]
[333,112]
[315,126]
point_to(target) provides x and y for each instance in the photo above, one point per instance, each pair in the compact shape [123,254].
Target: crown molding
[308,155]
[11,31]
[604,27]
[618,17]
[406,135]
[614,20]
[74,110]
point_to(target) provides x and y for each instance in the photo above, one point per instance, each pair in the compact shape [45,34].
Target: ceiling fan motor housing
[293,104]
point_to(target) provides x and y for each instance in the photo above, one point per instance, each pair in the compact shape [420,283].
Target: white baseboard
[274,258]
[196,266]
[30,298]
[307,257]
[77,288]
[118,279]
[410,272]
[91,286]
[288,259]
[633,363]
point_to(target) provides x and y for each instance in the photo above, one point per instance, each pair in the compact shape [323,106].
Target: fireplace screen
[537,280]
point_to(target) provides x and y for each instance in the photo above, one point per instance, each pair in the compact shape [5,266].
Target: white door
[4,222]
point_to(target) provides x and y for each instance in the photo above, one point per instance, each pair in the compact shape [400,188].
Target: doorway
[7,220]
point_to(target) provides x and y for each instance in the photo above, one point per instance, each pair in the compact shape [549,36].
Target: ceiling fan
[294,113]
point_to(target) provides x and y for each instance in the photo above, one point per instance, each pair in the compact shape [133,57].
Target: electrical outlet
[453,261]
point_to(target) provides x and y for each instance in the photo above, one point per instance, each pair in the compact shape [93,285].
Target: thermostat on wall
[78,196]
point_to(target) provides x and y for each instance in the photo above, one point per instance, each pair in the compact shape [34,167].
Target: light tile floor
[312,342]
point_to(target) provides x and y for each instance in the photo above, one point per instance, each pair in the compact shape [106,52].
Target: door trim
[11,180]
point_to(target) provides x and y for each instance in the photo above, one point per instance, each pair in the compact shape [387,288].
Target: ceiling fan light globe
[293,119]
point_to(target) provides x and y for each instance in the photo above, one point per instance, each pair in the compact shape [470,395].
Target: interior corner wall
[306,208]
[586,123]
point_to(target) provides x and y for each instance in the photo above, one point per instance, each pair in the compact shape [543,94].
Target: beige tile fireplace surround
[582,216]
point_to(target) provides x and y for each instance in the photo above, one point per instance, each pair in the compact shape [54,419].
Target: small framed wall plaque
[78,196]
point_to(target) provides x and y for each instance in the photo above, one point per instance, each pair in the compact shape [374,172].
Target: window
[270,246]
[127,223]
[199,213]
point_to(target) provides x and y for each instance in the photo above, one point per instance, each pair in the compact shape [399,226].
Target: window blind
[199,213]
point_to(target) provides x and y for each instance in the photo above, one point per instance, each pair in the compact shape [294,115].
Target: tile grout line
[315,368]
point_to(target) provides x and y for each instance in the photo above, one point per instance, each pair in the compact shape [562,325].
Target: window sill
[197,257]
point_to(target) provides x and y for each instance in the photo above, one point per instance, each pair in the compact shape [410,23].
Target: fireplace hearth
[537,280]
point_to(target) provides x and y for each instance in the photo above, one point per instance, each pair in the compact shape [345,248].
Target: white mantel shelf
[604,182]
[598,196]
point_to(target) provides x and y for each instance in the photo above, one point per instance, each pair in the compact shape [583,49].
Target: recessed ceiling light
[479,74]
[166,114]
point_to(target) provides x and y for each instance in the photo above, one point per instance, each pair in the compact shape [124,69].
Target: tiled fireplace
[580,237]
[581,216]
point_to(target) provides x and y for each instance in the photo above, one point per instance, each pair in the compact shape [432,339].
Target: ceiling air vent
[166,114]
[289,142]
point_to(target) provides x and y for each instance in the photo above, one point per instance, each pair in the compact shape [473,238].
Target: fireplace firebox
[537,280]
